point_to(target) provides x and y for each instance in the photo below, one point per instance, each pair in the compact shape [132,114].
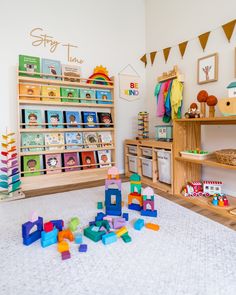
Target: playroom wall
[108,33]
[170,22]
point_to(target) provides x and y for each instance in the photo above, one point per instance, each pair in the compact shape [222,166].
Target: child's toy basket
[226,156]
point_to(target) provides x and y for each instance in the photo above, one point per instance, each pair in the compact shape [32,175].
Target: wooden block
[121,231]
[63,246]
[152,226]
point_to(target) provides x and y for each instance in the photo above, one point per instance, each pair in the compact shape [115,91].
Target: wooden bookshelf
[52,181]
[187,136]
[153,145]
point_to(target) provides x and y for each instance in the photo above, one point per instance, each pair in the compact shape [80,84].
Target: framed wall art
[207,69]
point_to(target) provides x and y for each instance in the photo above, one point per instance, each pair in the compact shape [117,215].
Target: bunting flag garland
[182,48]
[229,28]
[166,53]
[144,59]
[203,39]
[152,56]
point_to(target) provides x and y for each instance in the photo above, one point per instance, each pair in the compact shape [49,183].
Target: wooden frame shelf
[52,181]
[187,136]
[153,145]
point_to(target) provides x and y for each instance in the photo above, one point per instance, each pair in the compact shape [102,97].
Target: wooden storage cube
[133,164]
[146,167]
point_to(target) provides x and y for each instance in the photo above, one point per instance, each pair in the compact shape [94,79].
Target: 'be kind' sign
[129,87]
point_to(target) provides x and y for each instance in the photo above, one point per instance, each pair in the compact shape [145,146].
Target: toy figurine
[215,201]
[226,202]
[220,202]
[193,111]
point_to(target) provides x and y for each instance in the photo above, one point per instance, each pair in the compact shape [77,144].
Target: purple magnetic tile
[83,248]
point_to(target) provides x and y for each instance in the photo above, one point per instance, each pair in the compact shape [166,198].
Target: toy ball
[211,100]
[202,96]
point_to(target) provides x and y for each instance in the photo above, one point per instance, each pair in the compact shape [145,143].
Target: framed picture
[207,68]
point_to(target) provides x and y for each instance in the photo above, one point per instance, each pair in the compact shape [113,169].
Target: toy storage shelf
[153,145]
[51,183]
[187,136]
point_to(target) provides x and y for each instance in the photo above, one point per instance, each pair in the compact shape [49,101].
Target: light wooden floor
[202,211]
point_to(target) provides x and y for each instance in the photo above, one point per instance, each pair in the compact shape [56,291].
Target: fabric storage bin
[164,132]
[164,165]
[133,164]
[132,149]
[146,167]
[146,152]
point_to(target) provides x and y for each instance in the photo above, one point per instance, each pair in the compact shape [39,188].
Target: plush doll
[193,111]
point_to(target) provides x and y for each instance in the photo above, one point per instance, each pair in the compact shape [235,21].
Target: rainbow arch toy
[100,76]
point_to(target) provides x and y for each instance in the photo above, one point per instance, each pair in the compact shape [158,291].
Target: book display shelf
[41,175]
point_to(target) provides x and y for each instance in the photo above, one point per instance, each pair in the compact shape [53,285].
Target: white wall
[111,33]
[167,24]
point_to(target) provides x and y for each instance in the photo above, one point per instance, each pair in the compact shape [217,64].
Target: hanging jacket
[161,101]
[167,115]
[176,98]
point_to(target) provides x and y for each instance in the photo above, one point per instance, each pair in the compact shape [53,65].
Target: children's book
[32,163]
[88,159]
[30,65]
[54,118]
[32,118]
[104,96]
[51,93]
[72,119]
[53,163]
[72,73]
[70,160]
[54,141]
[32,139]
[74,140]
[67,94]
[91,140]
[105,138]
[105,118]
[90,118]
[104,158]
[29,92]
[52,67]
[89,94]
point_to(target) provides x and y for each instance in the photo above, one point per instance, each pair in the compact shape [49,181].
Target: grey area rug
[190,254]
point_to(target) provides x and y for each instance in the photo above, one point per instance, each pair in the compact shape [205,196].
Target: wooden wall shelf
[65,104]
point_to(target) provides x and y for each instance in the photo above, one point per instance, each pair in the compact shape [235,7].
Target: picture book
[32,139]
[72,119]
[54,118]
[105,138]
[32,163]
[90,140]
[32,118]
[70,160]
[105,119]
[72,73]
[90,118]
[51,67]
[54,141]
[29,92]
[74,140]
[104,158]
[30,65]
[53,163]
[88,159]
[67,94]
[89,94]
[51,93]
[104,96]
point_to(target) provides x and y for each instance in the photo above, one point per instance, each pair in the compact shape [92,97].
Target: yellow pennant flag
[182,48]
[144,59]
[229,28]
[152,56]
[166,53]
[203,39]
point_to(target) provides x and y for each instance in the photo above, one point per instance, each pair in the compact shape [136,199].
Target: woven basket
[227,156]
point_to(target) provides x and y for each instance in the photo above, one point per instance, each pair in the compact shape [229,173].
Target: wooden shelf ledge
[66,104]
[210,121]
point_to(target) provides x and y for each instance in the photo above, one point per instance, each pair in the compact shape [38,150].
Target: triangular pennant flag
[182,48]
[144,59]
[229,28]
[203,39]
[152,56]
[166,53]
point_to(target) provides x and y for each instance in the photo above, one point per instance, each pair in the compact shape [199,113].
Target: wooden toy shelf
[58,182]
[187,136]
[153,145]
